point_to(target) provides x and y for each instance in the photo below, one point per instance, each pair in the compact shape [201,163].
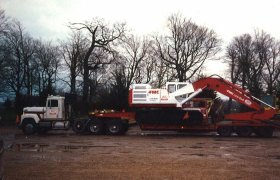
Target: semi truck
[175,107]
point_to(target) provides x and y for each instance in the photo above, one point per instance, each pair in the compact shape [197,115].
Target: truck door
[52,109]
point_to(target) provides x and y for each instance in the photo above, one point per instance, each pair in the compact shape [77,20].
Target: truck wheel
[224,131]
[95,127]
[244,131]
[78,126]
[29,127]
[115,128]
[264,132]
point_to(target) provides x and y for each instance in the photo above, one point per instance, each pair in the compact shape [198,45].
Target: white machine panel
[144,94]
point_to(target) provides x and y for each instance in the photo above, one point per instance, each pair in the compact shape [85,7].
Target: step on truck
[175,108]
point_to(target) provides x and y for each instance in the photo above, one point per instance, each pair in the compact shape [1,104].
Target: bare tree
[161,72]
[145,72]
[272,68]
[268,52]
[4,23]
[3,64]
[48,63]
[3,29]
[134,53]
[187,47]
[24,47]
[239,57]
[99,62]
[240,54]
[101,36]
[131,65]
[73,52]
[252,60]
[232,61]
[15,65]
[234,69]
[28,48]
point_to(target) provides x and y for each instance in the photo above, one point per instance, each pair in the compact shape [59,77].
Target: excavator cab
[174,86]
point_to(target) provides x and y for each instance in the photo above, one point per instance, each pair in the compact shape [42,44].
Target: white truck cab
[42,119]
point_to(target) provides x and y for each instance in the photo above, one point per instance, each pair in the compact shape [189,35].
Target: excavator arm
[238,94]
[228,89]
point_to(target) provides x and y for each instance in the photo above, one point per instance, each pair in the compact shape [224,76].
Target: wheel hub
[93,128]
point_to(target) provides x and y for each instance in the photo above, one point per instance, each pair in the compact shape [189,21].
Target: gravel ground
[138,155]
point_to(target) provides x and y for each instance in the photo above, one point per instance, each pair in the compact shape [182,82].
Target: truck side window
[53,103]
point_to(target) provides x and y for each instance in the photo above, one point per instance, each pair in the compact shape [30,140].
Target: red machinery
[176,108]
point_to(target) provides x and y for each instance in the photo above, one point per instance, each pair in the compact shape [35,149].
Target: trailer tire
[29,126]
[243,131]
[79,126]
[115,127]
[95,126]
[266,132]
[224,131]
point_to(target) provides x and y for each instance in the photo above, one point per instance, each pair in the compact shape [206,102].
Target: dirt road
[138,155]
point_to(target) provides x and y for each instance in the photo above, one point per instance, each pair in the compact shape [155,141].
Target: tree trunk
[18,103]
[73,81]
[86,83]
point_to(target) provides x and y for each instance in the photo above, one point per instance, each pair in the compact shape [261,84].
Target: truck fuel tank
[61,125]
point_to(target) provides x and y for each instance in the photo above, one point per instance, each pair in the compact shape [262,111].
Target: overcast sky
[229,18]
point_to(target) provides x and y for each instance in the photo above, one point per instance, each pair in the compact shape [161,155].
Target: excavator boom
[238,94]
[228,89]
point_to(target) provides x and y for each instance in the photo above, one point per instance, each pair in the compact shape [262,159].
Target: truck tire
[79,126]
[244,131]
[266,131]
[95,126]
[115,127]
[224,131]
[29,126]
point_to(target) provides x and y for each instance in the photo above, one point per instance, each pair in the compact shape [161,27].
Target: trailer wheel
[224,131]
[95,127]
[78,126]
[244,131]
[264,132]
[29,127]
[115,127]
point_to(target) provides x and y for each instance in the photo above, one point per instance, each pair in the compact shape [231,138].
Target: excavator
[177,108]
